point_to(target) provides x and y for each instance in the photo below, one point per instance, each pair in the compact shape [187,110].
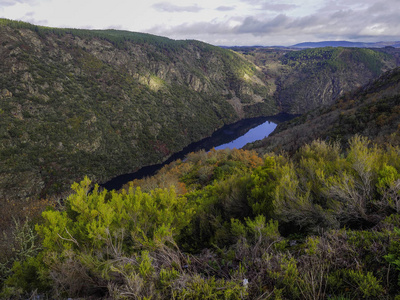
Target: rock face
[308,79]
[320,76]
[103,103]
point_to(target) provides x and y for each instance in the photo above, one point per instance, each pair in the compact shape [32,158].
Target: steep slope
[322,75]
[311,78]
[373,111]
[102,103]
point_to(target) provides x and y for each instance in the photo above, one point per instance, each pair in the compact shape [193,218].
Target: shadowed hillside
[372,111]
[312,78]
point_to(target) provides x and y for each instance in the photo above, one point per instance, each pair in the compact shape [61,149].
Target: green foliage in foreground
[319,225]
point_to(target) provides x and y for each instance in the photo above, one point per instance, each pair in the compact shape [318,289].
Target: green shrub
[92,219]
[24,246]
[287,277]
[27,276]
[393,256]
[356,283]
[261,188]
[199,288]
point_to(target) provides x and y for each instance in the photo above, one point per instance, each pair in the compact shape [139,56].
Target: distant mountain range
[347,44]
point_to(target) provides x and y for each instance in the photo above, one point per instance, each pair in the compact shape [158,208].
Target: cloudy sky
[222,22]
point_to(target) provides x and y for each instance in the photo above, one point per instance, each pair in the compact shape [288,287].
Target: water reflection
[230,136]
[254,134]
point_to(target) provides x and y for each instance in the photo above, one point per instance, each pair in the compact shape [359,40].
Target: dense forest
[77,102]
[311,212]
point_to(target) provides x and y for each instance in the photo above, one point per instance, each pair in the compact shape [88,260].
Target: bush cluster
[322,224]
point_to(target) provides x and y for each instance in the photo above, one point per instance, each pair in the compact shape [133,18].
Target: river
[230,136]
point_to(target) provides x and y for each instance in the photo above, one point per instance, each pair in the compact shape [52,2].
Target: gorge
[102,103]
[310,212]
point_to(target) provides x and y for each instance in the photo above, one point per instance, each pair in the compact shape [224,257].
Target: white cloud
[269,5]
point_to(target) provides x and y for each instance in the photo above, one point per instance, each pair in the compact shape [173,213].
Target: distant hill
[345,44]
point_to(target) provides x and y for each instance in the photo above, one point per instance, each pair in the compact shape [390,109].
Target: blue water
[255,134]
[230,136]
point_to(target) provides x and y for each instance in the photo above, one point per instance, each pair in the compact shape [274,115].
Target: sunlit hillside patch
[153,82]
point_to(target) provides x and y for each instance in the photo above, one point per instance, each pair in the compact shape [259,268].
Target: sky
[222,22]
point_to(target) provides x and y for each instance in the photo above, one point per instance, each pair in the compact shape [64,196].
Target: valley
[312,211]
[81,105]
[105,103]
[230,136]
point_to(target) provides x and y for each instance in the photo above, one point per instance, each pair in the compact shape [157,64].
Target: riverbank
[224,136]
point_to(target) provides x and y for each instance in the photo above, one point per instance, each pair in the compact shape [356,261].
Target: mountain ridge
[304,45]
[330,71]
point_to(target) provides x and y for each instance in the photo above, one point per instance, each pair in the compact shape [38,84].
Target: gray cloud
[30,19]
[338,20]
[365,6]
[278,7]
[270,5]
[225,8]
[377,8]
[305,22]
[6,2]
[257,27]
[194,29]
[169,7]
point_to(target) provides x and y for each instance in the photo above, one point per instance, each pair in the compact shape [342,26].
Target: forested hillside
[372,111]
[312,78]
[104,103]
